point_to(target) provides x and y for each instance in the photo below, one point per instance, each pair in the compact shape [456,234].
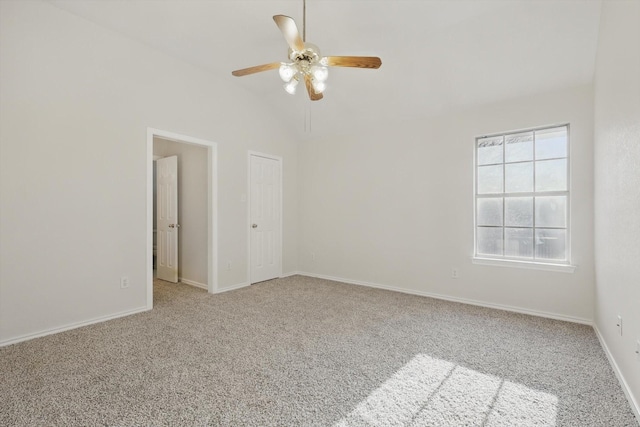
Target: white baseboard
[193,283]
[245,284]
[291,273]
[635,407]
[71,326]
[232,287]
[456,299]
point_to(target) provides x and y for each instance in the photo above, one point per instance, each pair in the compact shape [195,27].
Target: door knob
[174,225]
[254,226]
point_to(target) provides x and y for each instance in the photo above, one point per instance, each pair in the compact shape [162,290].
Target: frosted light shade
[287,71]
[318,86]
[320,73]
[290,87]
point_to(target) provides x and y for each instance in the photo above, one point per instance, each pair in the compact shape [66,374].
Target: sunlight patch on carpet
[429,391]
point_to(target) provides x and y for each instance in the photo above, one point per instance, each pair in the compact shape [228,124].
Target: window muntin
[522,196]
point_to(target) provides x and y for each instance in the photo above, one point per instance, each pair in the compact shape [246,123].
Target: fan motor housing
[309,55]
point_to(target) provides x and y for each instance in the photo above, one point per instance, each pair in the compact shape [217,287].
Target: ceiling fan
[305,62]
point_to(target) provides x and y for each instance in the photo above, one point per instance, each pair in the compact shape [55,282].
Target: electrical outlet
[228,265]
[124,282]
[313,256]
[455,273]
[619,325]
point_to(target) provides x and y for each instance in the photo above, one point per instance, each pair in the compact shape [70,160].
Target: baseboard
[71,326]
[193,283]
[291,273]
[245,284]
[232,287]
[635,407]
[456,299]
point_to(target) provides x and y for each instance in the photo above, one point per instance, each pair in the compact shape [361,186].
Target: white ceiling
[437,55]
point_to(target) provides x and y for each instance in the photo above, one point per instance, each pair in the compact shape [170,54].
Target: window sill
[563,268]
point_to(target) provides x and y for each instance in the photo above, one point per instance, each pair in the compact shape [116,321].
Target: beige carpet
[303,352]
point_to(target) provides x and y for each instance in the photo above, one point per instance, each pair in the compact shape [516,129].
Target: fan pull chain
[307,120]
[304,20]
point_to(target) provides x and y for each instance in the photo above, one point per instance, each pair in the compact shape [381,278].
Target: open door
[167,218]
[265,206]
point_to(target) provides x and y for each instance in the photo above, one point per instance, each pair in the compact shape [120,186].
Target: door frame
[212,206]
[279,160]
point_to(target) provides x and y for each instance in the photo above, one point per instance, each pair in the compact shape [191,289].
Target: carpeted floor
[304,352]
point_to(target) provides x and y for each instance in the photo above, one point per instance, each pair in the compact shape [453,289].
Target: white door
[167,218]
[265,191]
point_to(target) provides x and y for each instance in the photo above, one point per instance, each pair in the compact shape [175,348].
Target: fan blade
[312,93]
[256,69]
[352,61]
[288,27]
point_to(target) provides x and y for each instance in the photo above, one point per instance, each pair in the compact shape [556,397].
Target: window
[522,196]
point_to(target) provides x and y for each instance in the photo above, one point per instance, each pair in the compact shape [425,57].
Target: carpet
[301,351]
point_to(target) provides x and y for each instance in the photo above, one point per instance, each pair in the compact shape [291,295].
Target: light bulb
[287,71]
[320,73]
[290,87]
[318,86]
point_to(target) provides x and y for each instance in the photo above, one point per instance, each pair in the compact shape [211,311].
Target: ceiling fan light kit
[305,62]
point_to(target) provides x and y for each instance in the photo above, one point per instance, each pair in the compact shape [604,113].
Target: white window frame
[505,261]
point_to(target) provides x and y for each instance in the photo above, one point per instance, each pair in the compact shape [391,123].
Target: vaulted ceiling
[437,56]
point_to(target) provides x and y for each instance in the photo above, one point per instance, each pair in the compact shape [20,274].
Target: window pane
[519,177]
[551,143]
[551,211]
[518,212]
[550,244]
[551,175]
[522,195]
[490,179]
[519,147]
[518,242]
[490,150]
[490,211]
[489,240]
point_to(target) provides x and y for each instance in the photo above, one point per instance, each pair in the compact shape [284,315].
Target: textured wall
[394,206]
[75,104]
[617,185]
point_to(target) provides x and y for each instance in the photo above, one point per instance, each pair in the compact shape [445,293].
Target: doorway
[209,179]
[265,217]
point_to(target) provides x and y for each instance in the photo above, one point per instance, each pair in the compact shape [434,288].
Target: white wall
[394,207]
[192,207]
[75,104]
[617,186]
